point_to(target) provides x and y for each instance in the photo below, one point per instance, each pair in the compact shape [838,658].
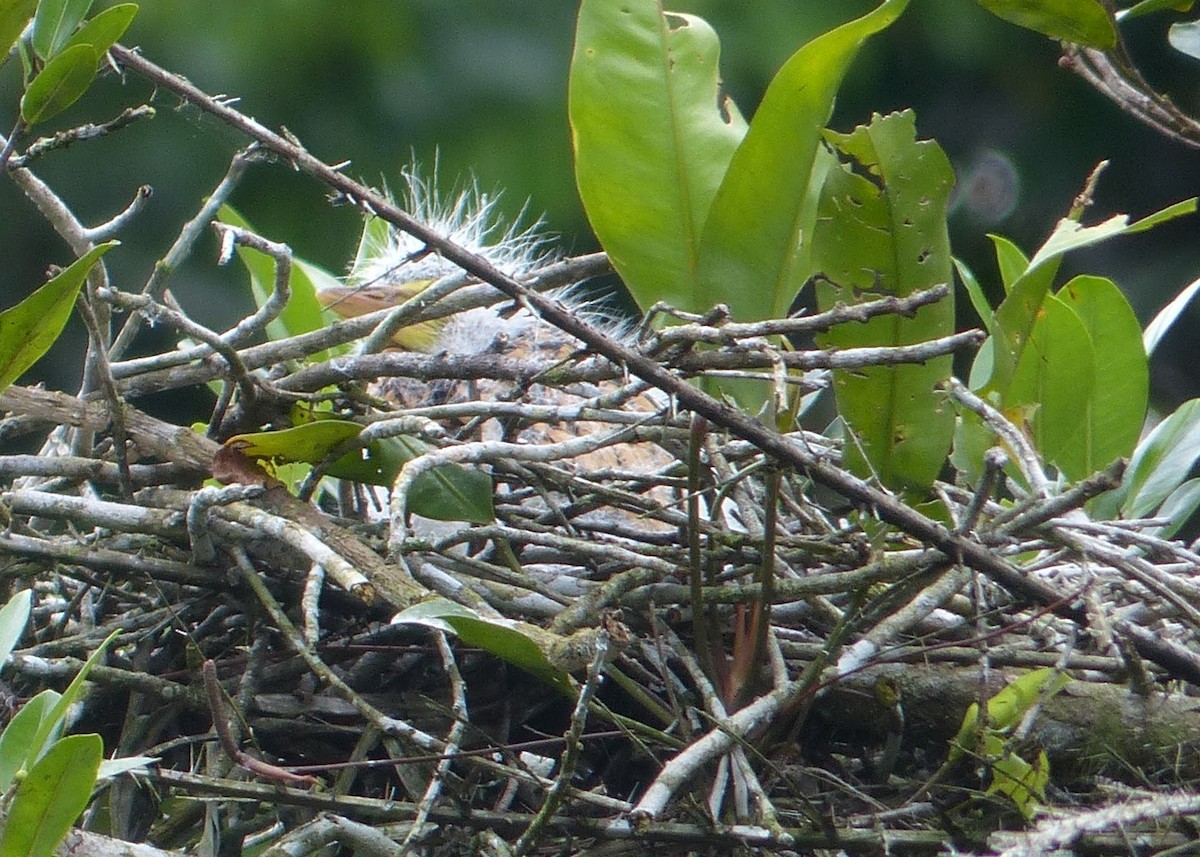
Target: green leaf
[303,312]
[105,27]
[653,136]
[14,616]
[16,742]
[54,23]
[1052,385]
[1006,708]
[754,251]
[1178,508]
[60,84]
[1020,781]
[52,721]
[14,15]
[881,229]
[1084,22]
[448,492]
[110,768]
[52,795]
[1011,261]
[1111,424]
[28,329]
[1147,7]
[374,236]
[979,301]
[508,640]
[1162,461]
[1165,318]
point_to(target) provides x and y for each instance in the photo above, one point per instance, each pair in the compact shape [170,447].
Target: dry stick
[1174,658]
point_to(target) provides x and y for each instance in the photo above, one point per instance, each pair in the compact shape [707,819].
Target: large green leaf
[653,136]
[1052,385]
[60,84]
[54,23]
[881,229]
[28,329]
[52,795]
[754,252]
[14,15]
[1110,425]
[511,641]
[1084,22]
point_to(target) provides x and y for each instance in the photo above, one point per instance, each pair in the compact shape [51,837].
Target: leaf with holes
[881,230]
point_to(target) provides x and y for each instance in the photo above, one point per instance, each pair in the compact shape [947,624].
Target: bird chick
[392,267]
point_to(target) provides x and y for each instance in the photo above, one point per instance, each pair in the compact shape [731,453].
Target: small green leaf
[1148,7]
[52,795]
[1011,261]
[1110,425]
[16,741]
[1165,318]
[1178,508]
[14,616]
[506,639]
[60,84]
[979,301]
[303,312]
[28,329]
[1083,22]
[1162,461]
[1018,780]
[54,23]
[310,442]
[110,768]
[373,239]
[653,136]
[14,16]
[105,27]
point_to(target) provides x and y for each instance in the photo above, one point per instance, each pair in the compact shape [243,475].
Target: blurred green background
[483,86]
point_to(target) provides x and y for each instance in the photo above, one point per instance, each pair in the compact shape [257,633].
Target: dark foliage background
[379,82]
